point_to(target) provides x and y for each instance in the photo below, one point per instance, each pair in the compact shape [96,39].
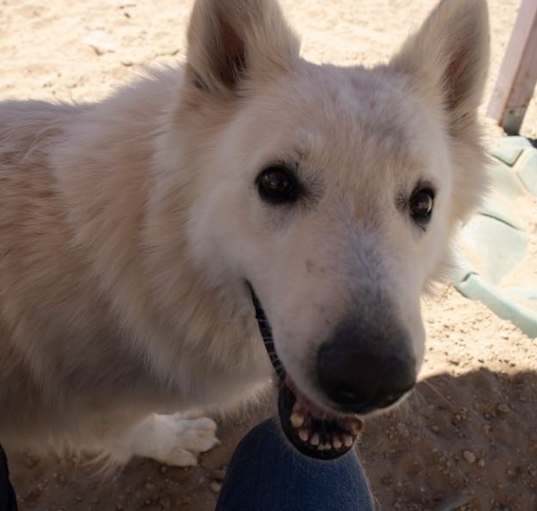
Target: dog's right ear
[230,41]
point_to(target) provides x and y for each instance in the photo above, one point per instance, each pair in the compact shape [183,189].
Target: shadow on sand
[460,442]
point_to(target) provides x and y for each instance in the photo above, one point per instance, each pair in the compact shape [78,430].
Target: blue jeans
[267,474]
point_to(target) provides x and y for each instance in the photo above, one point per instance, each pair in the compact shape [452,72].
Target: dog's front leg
[170,439]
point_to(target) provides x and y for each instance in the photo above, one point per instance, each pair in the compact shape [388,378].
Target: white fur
[128,227]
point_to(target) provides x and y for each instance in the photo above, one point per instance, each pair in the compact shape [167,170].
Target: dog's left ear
[448,57]
[230,41]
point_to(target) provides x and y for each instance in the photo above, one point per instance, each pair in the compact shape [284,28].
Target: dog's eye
[278,185]
[421,205]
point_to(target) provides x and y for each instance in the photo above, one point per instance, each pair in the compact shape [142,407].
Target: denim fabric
[268,474]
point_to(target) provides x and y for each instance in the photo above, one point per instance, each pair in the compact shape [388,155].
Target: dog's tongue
[325,438]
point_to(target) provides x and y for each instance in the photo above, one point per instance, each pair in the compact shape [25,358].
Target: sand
[466,440]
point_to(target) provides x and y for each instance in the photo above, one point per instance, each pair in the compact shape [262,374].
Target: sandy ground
[466,440]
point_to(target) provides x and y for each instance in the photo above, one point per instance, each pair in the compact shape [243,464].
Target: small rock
[163,469]
[150,487]
[403,430]
[435,428]
[216,487]
[100,42]
[481,463]
[469,456]
[503,409]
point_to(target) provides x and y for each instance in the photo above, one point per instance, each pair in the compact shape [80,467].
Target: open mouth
[311,430]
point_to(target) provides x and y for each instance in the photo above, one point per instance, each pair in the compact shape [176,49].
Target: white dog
[135,234]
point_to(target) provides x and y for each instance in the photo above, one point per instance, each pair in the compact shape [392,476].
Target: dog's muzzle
[311,430]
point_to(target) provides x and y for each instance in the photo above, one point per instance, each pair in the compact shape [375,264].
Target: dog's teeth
[304,435]
[326,447]
[348,440]
[314,440]
[336,443]
[297,420]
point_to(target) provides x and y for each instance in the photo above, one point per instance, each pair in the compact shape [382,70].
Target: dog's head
[333,192]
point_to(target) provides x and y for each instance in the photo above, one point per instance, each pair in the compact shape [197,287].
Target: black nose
[361,375]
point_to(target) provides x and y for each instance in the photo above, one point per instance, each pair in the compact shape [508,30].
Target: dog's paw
[174,439]
[196,435]
[178,457]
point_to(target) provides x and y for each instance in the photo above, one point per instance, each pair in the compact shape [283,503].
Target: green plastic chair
[494,242]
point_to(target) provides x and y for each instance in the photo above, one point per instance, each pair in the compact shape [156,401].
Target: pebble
[503,408]
[469,456]
[216,487]
[100,42]
[403,430]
